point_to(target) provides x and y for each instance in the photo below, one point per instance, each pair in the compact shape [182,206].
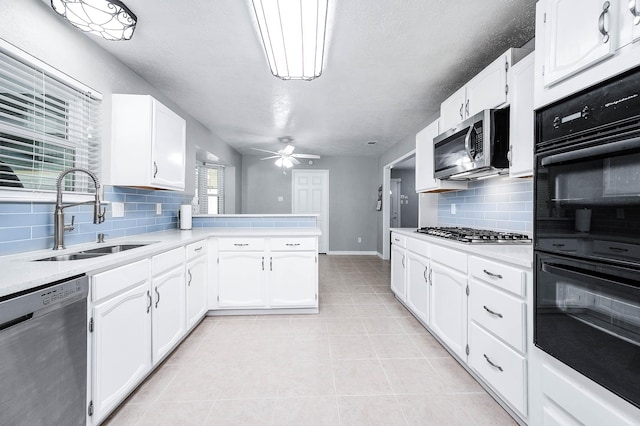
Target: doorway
[395,202]
[311,196]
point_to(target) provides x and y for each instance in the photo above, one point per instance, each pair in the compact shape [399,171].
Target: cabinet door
[487,89]
[292,279]
[241,280]
[196,290]
[169,316]
[398,285]
[521,128]
[574,36]
[418,286]
[168,138]
[452,110]
[449,307]
[121,353]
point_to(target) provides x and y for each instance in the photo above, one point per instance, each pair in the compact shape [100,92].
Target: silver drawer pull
[241,245]
[491,274]
[491,312]
[396,239]
[491,363]
[150,301]
[618,249]
[292,245]
[197,249]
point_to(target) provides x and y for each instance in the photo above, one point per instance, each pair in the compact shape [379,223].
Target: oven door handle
[594,151]
[573,273]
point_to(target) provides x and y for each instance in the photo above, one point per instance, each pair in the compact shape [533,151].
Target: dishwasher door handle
[16,321]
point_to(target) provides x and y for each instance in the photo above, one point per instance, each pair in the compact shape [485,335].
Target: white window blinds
[210,190]
[47,125]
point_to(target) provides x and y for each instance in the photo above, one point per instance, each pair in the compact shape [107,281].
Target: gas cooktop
[475,236]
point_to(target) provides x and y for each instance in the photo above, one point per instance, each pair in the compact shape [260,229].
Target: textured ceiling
[388,65]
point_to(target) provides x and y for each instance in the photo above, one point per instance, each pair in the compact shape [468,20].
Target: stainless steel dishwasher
[43,355]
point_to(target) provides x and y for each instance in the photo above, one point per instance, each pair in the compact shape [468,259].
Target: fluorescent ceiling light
[293,34]
[110,19]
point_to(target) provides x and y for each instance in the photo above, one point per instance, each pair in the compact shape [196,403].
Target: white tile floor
[363,360]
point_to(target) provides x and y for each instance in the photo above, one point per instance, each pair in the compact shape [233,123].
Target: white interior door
[394,203]
[311,196]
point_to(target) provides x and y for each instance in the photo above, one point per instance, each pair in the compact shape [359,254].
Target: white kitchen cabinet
[292,279]
[121,337]
[398,283]
[241,280]
[449,307]
[577,34]
[418,285]
[488,89]
[521,118]
[196,271]
[425,182]
[147,143]
[168,319]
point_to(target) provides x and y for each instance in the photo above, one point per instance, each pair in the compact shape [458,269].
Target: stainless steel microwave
[476,148]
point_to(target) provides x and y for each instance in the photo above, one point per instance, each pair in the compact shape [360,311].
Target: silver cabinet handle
[292,245]
[263,263]
[198,248]
[603,31]
[150,301]
[634,11]
[190,278]
[430,277]
[491,312]
[241,245]
[509,155]
[271,263]
[424,274]
[466,108]
[403,260]
[397,240]
[158,299]
[461,108]
[491,274]
[155,169]
[491,363]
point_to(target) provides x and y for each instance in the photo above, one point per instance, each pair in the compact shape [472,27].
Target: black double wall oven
[587,233]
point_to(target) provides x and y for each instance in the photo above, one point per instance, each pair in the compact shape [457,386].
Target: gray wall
[409,212]
[353,190]
[33,27]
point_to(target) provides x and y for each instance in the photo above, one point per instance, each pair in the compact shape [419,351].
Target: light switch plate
[117,209]
[158,208]
[453,208]
[280,198]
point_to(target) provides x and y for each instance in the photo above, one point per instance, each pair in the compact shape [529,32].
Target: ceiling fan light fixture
[293,35]
[110,19]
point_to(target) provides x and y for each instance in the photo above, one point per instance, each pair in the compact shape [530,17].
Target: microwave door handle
[467,142]
[585,153]
[579,273]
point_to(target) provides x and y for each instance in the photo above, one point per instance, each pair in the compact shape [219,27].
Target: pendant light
[110,19]
[293,35]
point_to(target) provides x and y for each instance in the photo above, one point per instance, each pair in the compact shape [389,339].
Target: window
[210,188]
[48,123]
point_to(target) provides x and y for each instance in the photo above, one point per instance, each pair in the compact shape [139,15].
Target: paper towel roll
[583,220]
[184,215]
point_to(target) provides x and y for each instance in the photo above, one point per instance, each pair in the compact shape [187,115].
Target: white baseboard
[352,253]
[380,255]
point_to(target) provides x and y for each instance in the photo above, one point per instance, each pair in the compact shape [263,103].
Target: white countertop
[517,254]
[257,215]
[20,272]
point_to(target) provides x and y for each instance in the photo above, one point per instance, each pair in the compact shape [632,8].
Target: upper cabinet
[425,181]
[582,42]
[486,90]
[521,117]
[147,144]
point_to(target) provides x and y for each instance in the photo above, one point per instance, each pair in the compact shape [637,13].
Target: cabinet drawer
[452,258]
[611,249]
[506,277]
[196,249]
[399,240]
[167,260]
[499,313]
[111,282]
[293,244]
[241,244]
[507,375]
[418,246]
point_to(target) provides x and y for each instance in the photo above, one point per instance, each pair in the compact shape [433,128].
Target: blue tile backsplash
[501,204]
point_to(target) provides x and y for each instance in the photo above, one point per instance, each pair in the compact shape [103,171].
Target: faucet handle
[70,227]
[101,217]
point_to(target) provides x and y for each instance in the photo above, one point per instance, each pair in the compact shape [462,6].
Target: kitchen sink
[92,253]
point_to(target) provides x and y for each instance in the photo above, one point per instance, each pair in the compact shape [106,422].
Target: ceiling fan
[285,157]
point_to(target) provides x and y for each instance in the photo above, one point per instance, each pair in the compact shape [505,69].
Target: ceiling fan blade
[288,149]
[265,150]
[270,158]
[311,156]
[293,160]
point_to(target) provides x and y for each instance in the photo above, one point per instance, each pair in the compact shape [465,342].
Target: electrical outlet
[158,208]
[359,240]
[453,208]
[117,209]
[280,198]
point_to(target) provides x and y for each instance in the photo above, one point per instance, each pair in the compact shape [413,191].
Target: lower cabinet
[241,280]
[398,281]
[121,337]
[292,279]
[169,311]
[449,307]
[418,286]
[196,283]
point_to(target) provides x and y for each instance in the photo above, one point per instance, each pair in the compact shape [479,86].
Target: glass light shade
[110,19]
[284,162]
[293,34]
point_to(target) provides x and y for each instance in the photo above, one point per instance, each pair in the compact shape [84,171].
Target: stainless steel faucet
[59,226]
